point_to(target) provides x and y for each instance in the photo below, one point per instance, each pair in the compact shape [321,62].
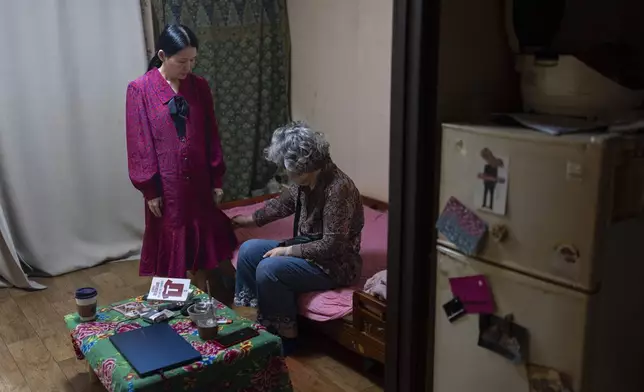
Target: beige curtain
[149,30]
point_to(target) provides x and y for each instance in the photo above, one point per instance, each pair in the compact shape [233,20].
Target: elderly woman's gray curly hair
[298,149]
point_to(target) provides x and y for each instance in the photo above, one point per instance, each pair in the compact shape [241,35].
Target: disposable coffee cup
[86,303]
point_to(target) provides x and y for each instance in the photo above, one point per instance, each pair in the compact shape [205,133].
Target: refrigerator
[563,256]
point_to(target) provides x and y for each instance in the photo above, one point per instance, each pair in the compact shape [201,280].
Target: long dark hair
[173,39]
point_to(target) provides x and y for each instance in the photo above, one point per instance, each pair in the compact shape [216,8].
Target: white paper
[169,289]
[557,125]
[491,183]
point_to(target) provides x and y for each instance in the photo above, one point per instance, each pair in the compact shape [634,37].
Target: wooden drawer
[370,320]
[364,332]
[367,308]
[372,326]
[363,344]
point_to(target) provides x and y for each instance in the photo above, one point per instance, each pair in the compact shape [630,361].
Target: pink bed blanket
[334,304]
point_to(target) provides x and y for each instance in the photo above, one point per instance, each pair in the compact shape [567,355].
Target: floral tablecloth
[254,365]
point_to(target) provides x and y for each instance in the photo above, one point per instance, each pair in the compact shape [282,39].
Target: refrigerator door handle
[455,264]
[451,253]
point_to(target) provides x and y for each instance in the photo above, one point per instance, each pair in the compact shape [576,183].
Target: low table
[254,365]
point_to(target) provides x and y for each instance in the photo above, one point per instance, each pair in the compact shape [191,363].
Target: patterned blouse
[333,210]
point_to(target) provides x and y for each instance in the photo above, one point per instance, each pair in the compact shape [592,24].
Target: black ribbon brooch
[179,110]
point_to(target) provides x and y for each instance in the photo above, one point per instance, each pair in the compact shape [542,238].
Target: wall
[340,82]
[341,65]
[476,68]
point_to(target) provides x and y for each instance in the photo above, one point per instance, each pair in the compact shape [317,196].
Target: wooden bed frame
[362,332]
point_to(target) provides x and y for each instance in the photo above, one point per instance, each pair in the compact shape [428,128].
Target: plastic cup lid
[86,293]
[197,309]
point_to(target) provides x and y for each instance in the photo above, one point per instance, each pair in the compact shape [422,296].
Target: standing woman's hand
[155,206]
[217,195]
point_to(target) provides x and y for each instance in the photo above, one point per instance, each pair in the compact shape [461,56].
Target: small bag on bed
[299,239]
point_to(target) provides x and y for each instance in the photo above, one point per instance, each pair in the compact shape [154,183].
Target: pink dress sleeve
[141,155]
[215,154]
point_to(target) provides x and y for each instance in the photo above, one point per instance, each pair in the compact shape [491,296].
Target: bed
[349,316]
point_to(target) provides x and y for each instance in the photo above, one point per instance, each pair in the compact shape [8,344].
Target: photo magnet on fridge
[491,189]
[545,379]
[454,309]
[504,337]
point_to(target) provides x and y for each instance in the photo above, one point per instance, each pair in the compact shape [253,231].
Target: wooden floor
[36,354]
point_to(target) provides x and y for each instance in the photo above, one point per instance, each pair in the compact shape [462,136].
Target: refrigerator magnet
[491,183]
[499,233]
[545,379]
[474,293]
[565,261]
[454,309]
[504,337]
[462,227]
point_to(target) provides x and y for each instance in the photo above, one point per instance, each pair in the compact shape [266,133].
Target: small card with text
[169,289]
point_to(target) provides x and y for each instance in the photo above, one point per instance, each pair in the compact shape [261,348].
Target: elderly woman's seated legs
[272,285]
[251,253]
[279,280]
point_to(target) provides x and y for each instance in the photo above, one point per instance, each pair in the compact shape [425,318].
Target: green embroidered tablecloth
[254,365]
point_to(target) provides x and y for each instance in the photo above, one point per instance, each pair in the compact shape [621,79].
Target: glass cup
[198,311]
[204,317]
[208,328]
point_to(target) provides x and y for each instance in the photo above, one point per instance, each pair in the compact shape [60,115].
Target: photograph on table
[132,309]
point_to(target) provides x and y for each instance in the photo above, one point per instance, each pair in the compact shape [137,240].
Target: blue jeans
[272,284]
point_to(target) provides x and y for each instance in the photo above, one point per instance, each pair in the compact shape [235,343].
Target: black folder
[154,349]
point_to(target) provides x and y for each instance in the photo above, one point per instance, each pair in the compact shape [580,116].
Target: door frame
[413,191]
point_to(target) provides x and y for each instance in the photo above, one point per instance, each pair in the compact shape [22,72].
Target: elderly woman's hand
[240,221]
[280,251]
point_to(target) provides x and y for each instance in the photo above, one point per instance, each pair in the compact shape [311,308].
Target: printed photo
[491,189]
[544,379]
[504,337]
[131,309]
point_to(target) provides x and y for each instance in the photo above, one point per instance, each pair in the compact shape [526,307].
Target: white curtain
[64,186]
[11,273]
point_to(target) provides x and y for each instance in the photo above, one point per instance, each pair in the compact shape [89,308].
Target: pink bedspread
[335,304]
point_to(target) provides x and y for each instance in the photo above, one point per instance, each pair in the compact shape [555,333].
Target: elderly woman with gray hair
[324,252]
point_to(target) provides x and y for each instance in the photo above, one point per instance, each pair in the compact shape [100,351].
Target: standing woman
[175,160]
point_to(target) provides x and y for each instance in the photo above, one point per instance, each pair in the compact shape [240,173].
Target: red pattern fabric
[193,233]
[105,372]
[76,346]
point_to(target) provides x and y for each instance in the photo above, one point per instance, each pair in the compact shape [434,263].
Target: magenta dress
[182,164]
